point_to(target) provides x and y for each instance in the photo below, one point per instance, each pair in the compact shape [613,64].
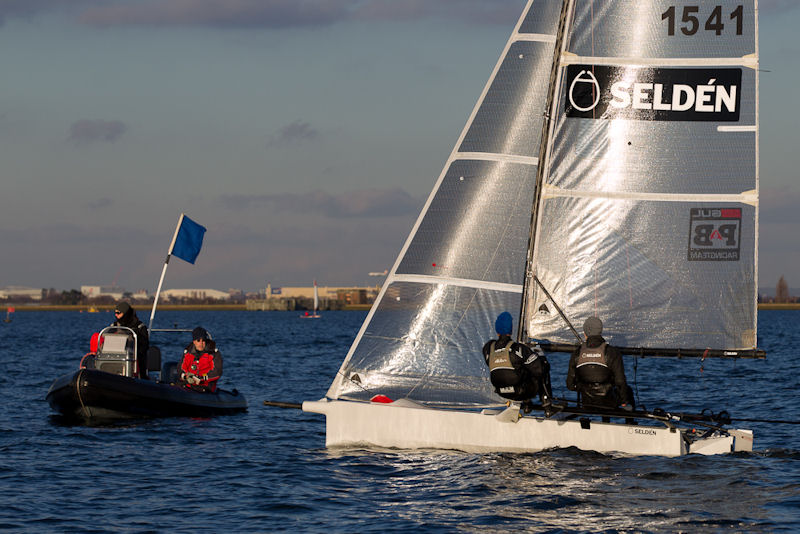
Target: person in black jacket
[126,316]
[517,371]
[596,371]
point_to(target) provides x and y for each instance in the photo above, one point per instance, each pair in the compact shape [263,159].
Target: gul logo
[714,234]
[634,93]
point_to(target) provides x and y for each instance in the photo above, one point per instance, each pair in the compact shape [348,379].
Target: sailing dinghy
[609,169]
[315,314]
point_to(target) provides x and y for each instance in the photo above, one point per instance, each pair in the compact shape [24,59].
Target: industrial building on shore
[301,298]
[271,298]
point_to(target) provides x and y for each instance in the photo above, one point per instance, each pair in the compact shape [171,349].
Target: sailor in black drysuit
[517,371]
[596,371]
[126,316]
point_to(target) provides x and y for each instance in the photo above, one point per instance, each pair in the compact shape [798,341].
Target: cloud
[473,11]
[293,134]
[367,203]
[778,205]
[26,8]
[291,13]
[100,203]
[213,13]
[775,6]
[87,131]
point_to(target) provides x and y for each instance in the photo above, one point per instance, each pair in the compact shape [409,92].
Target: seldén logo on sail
[660,94]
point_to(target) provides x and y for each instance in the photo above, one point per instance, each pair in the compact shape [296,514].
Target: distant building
[196,294]
[93,292]
[140,295]
[301,292]
[353,295]
[299,298]
[10,292]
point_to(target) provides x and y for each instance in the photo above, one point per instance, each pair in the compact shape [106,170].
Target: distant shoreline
[242,307]
[161,307]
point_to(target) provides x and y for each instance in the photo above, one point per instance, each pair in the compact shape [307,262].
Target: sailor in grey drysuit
[596,371]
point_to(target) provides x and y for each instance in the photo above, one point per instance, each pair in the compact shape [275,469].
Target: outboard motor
[169,373]
[153,362]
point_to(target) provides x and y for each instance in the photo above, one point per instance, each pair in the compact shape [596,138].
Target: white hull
[406,425]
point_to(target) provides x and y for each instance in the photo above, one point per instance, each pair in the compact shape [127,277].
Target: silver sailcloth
[464,261]
[649,203]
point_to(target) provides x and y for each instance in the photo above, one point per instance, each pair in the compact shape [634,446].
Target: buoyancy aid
[199,365]
[592,369]
[501,369]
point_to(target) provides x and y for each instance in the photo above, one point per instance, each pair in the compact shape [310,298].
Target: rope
[78,392]
[356,382]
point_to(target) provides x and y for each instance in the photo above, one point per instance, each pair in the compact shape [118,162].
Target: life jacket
[502,371]
[200,365]
[592,369]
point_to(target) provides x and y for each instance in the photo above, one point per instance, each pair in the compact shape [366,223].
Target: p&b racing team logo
[714,234]
[605,92]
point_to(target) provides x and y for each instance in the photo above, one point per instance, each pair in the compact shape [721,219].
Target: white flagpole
[164,271]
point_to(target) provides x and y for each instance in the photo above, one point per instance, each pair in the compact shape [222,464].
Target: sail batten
[489,156]
[461,282]
[543,38]
[744,61]
[745,197]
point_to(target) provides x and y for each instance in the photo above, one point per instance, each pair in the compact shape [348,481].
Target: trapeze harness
[502,373]
[593,371]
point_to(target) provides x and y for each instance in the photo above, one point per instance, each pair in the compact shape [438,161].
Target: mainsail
[645,213]
[649,196]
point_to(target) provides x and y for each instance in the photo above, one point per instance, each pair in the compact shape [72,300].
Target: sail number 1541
[691,17]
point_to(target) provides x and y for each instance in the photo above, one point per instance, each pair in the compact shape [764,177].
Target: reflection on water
[565,489]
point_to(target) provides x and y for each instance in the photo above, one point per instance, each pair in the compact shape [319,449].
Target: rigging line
[357,383]
[78,391]
[558,308]
[665,417]
[636,379]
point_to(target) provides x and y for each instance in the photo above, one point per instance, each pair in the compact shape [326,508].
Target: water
[267,470]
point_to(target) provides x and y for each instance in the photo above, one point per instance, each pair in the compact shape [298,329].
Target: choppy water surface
[268,470]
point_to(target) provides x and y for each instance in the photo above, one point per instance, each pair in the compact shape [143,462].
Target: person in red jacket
[201,367]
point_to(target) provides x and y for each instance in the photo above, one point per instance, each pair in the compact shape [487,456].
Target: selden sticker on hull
[653,94]
[714,234]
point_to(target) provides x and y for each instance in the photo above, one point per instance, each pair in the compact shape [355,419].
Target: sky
[304,135]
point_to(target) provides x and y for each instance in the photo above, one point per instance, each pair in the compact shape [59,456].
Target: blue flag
[189,240]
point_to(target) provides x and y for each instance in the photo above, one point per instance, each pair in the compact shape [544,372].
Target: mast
[566,6]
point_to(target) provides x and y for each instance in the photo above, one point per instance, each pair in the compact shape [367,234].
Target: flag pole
[164,272]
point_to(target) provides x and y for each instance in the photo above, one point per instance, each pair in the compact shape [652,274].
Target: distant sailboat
[315,314]
[9,311]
